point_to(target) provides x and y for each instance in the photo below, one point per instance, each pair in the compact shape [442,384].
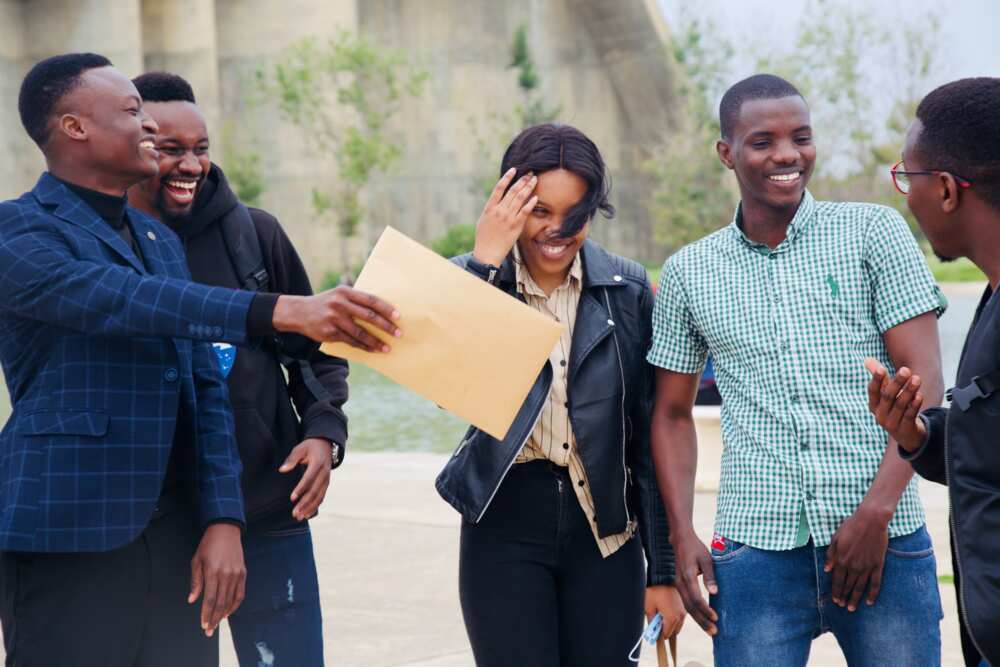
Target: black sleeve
[653,526]
[928,461]
[317,382]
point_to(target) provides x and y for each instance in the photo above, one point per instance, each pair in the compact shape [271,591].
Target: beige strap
[661,652]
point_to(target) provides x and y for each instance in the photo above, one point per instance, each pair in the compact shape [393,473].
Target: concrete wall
[604,62]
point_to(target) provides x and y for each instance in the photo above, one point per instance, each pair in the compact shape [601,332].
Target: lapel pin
[151,235]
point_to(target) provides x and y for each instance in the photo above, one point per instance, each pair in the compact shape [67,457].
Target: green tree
[342,94]
[493,133]
[242,165]
[861,79]
[692,192]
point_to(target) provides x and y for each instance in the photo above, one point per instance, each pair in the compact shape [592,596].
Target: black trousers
[121,608]
[535,590]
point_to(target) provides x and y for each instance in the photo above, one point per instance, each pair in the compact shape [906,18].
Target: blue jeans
[772,604]
[279,623]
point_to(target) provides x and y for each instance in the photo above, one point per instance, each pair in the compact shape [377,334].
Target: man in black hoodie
[280,616]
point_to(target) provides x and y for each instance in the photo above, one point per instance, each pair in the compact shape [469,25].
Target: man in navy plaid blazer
[119,460]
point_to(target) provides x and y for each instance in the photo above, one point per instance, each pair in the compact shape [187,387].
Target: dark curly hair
[46,84]
[163,87]
[549,146]
[961,133]
[756,87]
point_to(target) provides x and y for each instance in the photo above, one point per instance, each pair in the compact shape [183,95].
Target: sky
[968,43]
[969,29]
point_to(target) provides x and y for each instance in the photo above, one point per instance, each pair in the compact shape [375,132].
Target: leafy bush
[458,240]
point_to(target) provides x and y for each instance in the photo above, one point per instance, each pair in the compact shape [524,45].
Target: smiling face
[771,152]
[547,255]
[184,162]
[106,111]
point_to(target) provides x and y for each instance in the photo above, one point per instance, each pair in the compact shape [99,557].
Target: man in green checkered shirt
[815,512]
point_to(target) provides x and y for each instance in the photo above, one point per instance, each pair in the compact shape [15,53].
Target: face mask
[651,634]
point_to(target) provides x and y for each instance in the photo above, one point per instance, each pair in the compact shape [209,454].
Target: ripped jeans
[772,604]
[279,623]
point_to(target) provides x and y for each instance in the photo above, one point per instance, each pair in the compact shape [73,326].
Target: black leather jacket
[961,451]
[610,397]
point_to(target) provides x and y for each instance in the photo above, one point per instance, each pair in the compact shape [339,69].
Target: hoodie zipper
[954,533]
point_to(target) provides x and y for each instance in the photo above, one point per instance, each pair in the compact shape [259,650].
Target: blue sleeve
[41,279]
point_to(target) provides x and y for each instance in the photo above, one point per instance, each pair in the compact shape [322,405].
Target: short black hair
[163,87]
[961,133]
[756,87]
[46,84]
[549,146]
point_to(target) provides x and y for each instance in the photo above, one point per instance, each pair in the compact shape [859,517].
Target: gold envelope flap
[466,345]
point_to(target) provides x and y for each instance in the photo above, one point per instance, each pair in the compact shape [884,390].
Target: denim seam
[727,557]
[911,555]
[823,627]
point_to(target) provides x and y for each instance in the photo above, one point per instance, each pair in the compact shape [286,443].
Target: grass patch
[960,271]
[654,275]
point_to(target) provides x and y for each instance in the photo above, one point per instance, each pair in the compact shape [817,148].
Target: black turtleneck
[110,208]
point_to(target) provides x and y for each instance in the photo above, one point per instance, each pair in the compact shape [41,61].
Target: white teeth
[185,185]
[553,250]
[146,144]
[785,177]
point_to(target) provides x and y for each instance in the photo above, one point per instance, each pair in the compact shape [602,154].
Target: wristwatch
[488,272]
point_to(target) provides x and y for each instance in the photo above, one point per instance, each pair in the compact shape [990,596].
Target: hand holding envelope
[469,347]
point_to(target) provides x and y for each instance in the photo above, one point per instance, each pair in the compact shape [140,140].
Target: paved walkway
[387,550]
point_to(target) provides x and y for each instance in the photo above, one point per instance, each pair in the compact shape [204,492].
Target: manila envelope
[467,346]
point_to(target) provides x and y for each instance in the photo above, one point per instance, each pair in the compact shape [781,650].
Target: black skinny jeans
[535,590]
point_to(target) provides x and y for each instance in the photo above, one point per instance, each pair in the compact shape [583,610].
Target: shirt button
[566,404]
[804,445]
[785,346]
[773,255]
[795,398]
[617,279]
[581,483]
[170,375]
[565,445]
[611,323]
[810,496]
[562,362]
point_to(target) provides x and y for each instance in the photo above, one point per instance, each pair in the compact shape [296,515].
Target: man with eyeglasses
[950,174]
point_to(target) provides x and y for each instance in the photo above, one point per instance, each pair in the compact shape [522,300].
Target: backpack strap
[243,247]
[982,386]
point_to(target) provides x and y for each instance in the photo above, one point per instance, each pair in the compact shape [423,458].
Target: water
[384,416]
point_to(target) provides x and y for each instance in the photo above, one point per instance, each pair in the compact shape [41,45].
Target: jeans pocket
[914,546]
[731,552]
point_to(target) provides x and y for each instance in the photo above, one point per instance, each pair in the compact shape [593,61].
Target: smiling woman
[543,521]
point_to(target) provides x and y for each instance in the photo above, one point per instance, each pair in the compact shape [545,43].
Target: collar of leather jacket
[597,269]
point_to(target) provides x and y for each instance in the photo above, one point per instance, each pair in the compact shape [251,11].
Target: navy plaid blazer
[100,353]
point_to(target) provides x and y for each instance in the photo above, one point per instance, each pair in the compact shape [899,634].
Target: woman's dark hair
[542,148]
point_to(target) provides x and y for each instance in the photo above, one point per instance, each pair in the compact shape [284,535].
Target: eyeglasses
[901,177]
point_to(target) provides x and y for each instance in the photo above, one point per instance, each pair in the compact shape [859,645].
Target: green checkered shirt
[788,330]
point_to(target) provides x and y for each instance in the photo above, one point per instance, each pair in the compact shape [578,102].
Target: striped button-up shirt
[553,438]
[788,330]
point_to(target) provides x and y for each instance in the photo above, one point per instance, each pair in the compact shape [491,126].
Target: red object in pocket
[718,542]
